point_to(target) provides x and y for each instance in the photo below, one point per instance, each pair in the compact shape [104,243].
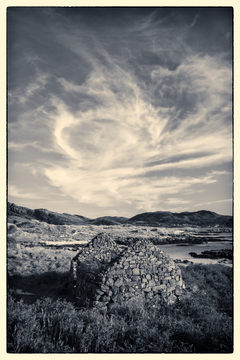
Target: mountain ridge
[200,217]
[156,218]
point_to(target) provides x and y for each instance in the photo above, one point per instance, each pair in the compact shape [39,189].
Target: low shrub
[200,322]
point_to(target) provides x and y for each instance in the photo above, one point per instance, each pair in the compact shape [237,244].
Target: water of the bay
[181,251]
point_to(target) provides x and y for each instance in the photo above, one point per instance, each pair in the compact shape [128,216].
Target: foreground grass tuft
[200,322]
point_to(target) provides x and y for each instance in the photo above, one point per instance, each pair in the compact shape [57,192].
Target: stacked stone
[109,273]
[101,249]
[143,270]
[91,262]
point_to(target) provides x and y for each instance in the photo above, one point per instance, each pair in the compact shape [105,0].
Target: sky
[119,111]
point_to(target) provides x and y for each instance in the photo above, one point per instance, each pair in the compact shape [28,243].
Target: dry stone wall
[108,273]
[89,265]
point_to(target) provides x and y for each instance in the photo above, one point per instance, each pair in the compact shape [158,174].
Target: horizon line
[144,212]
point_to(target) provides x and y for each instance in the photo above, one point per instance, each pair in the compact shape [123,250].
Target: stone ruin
[106,273]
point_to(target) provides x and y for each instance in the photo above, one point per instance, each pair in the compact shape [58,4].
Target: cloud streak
[129,115]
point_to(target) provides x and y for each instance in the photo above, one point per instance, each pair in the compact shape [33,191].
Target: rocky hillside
[158,218]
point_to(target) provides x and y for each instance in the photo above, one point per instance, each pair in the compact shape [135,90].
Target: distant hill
[47,216]
[201,218]
[157,218]
[109,220]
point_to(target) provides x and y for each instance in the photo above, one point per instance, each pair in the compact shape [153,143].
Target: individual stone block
[99,292]
[129,271]
[171,288]
[171,299]
[147,289]
[118,282]
[172,282]
[110,282]
[178,290]
[115,290]
[180,282]
[104,288]
[168,277]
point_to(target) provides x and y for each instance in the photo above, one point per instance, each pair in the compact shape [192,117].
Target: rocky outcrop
[107,273]
[214,254]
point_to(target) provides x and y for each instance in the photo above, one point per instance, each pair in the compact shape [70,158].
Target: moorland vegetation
[44,316]
[52,323]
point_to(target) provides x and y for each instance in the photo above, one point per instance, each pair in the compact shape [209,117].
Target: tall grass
[201,322]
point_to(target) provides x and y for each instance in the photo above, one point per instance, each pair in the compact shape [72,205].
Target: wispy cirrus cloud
[21,95]
[141,104]
[110,144]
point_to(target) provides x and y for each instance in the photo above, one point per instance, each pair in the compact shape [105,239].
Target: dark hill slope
[20,211]
[51,217]
[47,216]
[109,220]
[202,218]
